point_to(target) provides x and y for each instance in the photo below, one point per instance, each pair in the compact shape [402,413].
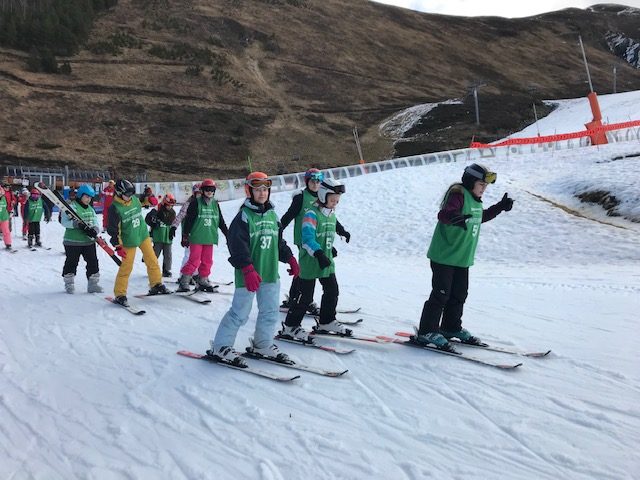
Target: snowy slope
[90,391]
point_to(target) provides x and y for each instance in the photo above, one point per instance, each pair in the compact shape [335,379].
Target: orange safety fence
[558,137]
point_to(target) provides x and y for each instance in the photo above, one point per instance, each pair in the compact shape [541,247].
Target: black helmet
[476,172]
[125,187]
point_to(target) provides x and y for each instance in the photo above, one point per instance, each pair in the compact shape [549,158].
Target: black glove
[114,241]
[323,261]
[89,231]
[347,236]
[334,252]
[506,203]
[172,233]
[185,241]
[460,221]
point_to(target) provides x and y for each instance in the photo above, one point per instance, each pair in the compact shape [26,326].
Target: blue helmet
[85,190]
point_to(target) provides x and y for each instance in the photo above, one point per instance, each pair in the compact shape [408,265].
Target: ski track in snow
[90,391]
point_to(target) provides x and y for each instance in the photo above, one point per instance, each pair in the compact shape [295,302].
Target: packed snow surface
[89,391]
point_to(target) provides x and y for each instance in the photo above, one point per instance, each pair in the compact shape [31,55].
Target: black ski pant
[74,252]
[304,298]
[167,257]
[449,292]
[34,228]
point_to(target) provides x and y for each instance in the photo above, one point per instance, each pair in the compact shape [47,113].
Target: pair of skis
[58,200]
[262,373]
[192,296]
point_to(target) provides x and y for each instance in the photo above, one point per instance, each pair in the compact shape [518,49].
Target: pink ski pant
[201,259]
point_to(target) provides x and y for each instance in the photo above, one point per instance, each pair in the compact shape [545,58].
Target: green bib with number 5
[263,243]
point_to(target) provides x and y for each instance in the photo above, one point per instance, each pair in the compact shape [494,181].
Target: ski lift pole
[586,66]
[356,137]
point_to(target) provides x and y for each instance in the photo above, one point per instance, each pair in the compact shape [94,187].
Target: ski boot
[298,334]
[463,335]
[38,242]
[286,304]
[183,283]
[227,355]
[433,339]
[333,327]
[92,284]
[271,351]
[159,289]
[7,247]
[30,241]
[194,279]
[69,285]
[166,273]
[204,285]
[313,309]
[122,300]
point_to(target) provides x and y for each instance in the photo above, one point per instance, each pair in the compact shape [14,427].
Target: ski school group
[256,245]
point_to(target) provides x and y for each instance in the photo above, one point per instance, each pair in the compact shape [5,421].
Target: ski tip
[187,353]
[537,354]
[508,367]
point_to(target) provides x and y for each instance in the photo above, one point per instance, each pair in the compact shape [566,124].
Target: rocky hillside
[186,88]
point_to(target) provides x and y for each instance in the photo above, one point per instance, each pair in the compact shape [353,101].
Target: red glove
[294,271]
[251,278]
[121,252]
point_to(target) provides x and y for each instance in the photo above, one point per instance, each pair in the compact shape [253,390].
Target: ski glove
[323,261]
[89,231]
[185,241]
[460,221]
[251,278]
[334,252]
[294,271]
[172,233]
[506,203]
[121,252]
[346,236]
[114,241]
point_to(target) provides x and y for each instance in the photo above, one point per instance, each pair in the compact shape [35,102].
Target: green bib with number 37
[263,242]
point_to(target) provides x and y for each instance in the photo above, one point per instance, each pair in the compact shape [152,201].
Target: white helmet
[327,186]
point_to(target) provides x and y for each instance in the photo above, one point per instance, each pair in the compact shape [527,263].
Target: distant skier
[317,262]
[34,210]
[107,199]
[301,202]
[255,244]
[128,232]
[200,234]
[80,240]
[160,221]
[147,198]
[22,201]
[452,252]
[5,218]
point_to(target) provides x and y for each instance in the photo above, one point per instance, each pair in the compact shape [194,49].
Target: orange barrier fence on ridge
[558,137]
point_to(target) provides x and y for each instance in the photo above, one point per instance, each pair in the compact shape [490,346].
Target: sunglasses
[260,182]
[209,189]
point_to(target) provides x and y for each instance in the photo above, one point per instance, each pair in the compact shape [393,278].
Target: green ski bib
[263,243]
[453,245]
[133,230]
[205,227]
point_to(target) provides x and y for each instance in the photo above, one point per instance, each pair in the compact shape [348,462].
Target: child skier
[200,234]
[300,203]
[22,201]
[195,193]
[147,198]
[452,252]
[80,240]
[5,218]
[34,210]
[255,244]
[128,232]
[317,262]
[160,221]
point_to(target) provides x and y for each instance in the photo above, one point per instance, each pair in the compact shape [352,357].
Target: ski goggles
[487,177]
[316,177]
[259,182]
[209,189]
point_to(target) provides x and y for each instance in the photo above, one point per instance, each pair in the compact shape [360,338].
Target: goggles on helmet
[259,182]
[488,177]
[316,177]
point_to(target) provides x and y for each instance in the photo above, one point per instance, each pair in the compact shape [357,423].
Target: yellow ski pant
[150,261]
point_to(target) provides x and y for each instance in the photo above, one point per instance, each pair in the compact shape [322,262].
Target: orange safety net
[558,137]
